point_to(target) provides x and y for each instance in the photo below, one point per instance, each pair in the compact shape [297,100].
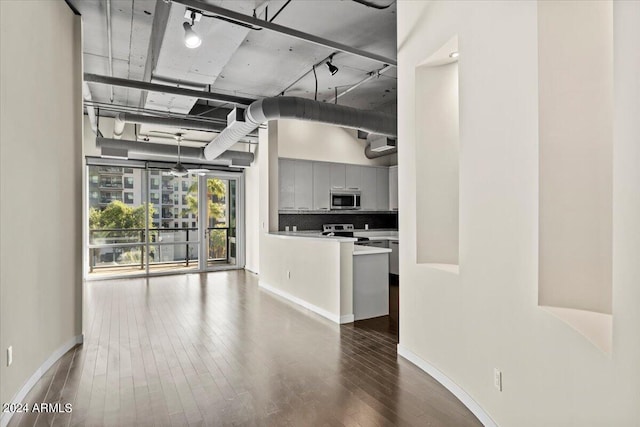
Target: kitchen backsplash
[313,222]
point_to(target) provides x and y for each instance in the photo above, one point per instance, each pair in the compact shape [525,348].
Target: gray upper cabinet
[322,185]
[303,188]
[393,188]
[368,188]
[286,176]
[338,176]
[306,185]
[353,177]
[382,189]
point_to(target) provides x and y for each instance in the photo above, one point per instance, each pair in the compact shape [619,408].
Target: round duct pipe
[288,107]
[122,118]
[190,154]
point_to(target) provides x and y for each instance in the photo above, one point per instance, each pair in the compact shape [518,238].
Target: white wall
[488,316]
[41,186]
[298,139]
[575,67]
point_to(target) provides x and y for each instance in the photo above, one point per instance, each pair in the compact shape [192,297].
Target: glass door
[221,231]
[146,221]
[173,238]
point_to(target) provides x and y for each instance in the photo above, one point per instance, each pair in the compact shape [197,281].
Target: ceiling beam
[153,87]
[290,32]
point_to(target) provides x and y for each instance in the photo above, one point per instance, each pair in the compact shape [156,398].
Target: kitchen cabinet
[353,178]
[393,188]
[321,185]
[368,188]
[306,185]
[303,184]
[295,184]
[338,175]
[286,177]
[382,189]
[394,261]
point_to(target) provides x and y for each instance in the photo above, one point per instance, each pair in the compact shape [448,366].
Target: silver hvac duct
[122,118]
[289,107]
[91,112]
[370,154]
[188,154]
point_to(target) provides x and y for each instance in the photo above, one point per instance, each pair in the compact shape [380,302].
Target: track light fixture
[191,39]
[332,68]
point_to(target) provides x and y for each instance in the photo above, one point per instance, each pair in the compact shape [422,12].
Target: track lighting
[332,68]
[191,39]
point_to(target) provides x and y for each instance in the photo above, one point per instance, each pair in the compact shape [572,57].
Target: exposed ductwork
[91,112]
[122,118]
[371,154]
[287,107]
[187,154]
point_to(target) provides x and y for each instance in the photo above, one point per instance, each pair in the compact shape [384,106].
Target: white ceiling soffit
[195,68]
[131,23]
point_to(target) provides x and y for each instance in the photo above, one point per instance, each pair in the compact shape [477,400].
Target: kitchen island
[370,282]
[314,271]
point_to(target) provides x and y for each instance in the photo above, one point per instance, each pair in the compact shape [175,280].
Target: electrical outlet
[9,355]
[497,379]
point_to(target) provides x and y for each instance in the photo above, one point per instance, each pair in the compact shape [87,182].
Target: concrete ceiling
[147,45]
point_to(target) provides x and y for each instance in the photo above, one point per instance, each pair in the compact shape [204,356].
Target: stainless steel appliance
[345,199]
[342,230]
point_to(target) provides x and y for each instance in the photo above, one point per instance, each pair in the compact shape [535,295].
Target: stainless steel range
[341,230]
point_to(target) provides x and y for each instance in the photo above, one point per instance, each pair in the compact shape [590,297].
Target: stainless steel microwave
[345,199]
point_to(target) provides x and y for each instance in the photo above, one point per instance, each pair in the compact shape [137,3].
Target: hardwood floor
[214,349]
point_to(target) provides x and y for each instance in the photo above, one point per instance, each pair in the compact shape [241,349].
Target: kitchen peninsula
[326,274]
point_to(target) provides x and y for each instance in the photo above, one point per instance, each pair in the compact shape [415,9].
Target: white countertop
[313,235]
[369,250]
[376,234]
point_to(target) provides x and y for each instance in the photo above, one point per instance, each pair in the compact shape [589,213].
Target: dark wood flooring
[214,349]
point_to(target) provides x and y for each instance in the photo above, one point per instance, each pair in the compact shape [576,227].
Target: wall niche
[438,159]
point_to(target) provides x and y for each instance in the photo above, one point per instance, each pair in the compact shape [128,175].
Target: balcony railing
[125,248]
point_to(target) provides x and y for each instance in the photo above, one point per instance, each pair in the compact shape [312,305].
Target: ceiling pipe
[122,118]
[290,32]
[191,154]
[371,76]
[370,154]
[153,87]
[91,112]
[288,107]
[110,47]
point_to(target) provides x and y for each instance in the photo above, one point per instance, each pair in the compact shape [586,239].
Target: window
[128,182]
[128,198]
[185,224]
[184,199]
[128,170]
[193,224]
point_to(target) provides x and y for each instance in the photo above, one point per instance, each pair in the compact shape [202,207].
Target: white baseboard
[457,391]
[321,311]
[347,318]
[57,354]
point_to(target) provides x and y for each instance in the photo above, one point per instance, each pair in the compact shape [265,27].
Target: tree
[216,194]
[119,215]
[216,199]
